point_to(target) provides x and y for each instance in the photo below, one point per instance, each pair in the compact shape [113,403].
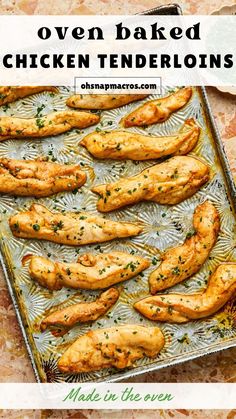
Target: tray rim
[122,375]
[8,275]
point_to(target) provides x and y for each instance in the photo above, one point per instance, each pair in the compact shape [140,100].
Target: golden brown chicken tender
[9,94]
[179,263]
[81,312]
[70,228]
[158,110]
[116,347]
[101,101]
[89,272]
[180,308]
[121,145]
[54,123]
[167,183]
[38,178]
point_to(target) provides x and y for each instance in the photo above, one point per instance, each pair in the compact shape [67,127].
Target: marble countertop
[220,367]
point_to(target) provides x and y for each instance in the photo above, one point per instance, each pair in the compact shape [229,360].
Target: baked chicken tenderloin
[10,94]
[53,124]
[101,101]
[181,262]
[38,178]
[181,308]
[158,110]
[121,145]
[167,183]
[83,312]
[90,272]
[70,228]
[115,347]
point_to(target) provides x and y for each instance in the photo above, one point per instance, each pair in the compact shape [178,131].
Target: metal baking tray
[163,227]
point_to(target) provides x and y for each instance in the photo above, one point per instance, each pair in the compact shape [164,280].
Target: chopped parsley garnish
[190,233]
[39,110]
[176,270]
[39,123]
[57,226]
[154,260]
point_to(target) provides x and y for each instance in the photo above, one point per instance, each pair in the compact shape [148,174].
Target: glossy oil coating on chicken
[116,347]
[52,124]
[81,312]
[121,145]
[89,272]
[180,308]
[9,94]
[38,178]
[167,183]
[101,101]
[158,110]
[68,228]
[179,263]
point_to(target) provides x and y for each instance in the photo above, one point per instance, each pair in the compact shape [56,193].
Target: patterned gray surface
[163,227]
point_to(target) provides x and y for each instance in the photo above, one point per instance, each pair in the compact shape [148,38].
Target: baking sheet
[163,227]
